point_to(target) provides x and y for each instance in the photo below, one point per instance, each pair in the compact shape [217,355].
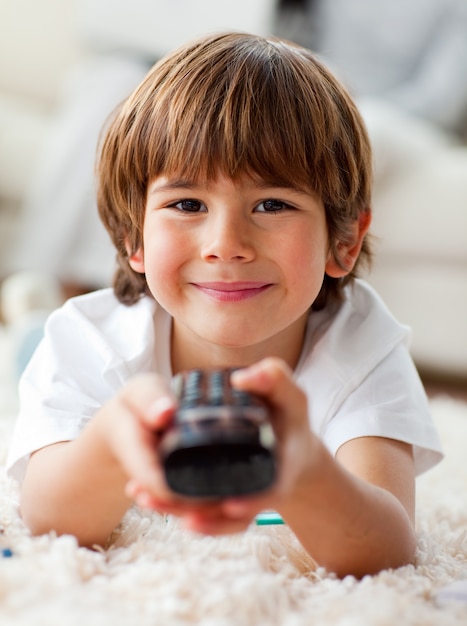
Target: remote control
[221,442]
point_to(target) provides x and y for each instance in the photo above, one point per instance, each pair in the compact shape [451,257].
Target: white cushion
[431,297]
[23,130]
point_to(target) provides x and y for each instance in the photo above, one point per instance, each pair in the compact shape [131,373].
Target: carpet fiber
[156,573]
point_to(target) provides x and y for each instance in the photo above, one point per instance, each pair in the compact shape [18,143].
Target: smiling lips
[233,292]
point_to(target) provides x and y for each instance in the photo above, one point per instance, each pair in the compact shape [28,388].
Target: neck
[190,352]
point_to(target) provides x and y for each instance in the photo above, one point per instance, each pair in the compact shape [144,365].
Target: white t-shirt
[355,369]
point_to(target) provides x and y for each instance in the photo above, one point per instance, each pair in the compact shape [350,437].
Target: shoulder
[360,328]
[96,333]
[365,313]
[98,318]
[98,308]
[360,379]
[344,344]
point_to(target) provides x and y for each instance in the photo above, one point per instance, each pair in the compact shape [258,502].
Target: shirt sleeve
[61,388]
[390,402]
[91,347]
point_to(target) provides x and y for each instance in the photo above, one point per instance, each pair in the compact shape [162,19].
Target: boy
[235,184]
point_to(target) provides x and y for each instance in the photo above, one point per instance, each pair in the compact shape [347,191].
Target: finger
[142,408]
[248,507]
[214,525]
[171,502]
[273,379]
[164,503]
[135,446]
[150,398]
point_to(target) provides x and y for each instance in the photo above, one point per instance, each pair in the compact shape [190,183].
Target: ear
[136,261]
[348,251]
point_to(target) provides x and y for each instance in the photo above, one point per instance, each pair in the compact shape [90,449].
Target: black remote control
[221,442]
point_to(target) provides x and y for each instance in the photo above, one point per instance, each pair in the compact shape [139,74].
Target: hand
[272,379]
[131,425]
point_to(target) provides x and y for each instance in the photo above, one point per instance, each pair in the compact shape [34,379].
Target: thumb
[272,379]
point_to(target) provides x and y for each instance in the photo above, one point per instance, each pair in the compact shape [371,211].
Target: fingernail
[239,375]
[162,405]
[235,509]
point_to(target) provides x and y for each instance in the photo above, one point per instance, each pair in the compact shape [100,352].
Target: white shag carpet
[155,573]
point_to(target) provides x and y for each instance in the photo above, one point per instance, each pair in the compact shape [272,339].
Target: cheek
[306,263]
[159,257]
[164,255]
[308,282]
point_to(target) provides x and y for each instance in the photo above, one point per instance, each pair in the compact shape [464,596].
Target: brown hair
[236,104]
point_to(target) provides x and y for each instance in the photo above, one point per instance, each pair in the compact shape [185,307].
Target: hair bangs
[251,116]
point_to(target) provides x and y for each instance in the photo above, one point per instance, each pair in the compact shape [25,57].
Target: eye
[272,206]
[189,206]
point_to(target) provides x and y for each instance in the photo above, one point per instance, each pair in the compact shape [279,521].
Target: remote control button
[193,391]
[216,395]
[241,398]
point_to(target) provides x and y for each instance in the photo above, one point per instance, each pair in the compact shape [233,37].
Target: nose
[228,238]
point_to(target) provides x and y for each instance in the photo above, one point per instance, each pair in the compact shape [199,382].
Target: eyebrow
[174,184]
[263,184]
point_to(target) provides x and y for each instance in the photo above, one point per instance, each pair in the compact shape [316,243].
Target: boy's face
[236,264]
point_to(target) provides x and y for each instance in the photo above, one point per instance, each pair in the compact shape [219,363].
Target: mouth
[234,291]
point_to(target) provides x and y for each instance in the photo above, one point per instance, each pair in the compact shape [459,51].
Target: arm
[78,487]
[353,514]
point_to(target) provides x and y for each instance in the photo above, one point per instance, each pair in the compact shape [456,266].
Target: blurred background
[65,64]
